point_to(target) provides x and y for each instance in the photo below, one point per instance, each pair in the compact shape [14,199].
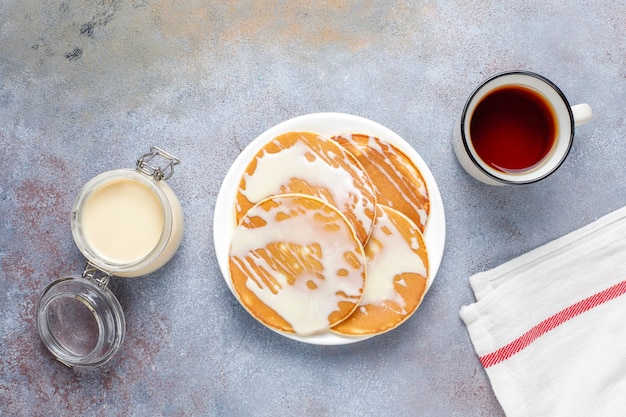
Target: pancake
[398,183]
[306,163]
[397,276]
[296,264]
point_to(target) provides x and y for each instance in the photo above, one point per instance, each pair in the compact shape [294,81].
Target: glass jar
[127,223]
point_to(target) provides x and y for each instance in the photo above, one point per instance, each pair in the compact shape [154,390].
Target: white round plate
[326,124]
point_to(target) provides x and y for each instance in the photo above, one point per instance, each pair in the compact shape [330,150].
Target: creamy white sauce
[306,309]
[413,189]
[275,170]
[122,221]
[392,256]
[397,179]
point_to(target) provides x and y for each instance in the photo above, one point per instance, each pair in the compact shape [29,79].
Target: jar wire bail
[157,173]
[95,274]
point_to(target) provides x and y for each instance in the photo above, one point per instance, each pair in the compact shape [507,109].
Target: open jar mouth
[117,238]
[80,321]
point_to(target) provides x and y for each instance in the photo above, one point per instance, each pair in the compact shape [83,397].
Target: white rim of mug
[465,140]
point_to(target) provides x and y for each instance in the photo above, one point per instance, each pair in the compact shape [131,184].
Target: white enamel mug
[565,117]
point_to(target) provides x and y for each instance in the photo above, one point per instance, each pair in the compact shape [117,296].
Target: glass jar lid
[80,321]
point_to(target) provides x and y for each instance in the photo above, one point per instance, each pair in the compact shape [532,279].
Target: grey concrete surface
[87,86]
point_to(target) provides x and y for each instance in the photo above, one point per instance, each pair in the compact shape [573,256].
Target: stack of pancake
[329,235]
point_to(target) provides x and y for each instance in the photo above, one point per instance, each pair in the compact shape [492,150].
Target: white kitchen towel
[550,326]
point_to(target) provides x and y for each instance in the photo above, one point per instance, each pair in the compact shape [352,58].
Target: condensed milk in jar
[127,223]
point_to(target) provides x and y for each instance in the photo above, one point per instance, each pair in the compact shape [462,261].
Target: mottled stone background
[87,86]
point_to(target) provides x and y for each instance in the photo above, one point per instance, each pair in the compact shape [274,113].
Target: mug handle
[582,113]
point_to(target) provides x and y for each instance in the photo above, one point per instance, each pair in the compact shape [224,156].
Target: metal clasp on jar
[157,172]
[93,273]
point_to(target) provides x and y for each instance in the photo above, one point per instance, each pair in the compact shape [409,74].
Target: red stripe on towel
[552,322]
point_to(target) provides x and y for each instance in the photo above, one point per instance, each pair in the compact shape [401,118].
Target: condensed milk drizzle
[389,256]
[298,265]
[336,175]
[396,181]
[393,175]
